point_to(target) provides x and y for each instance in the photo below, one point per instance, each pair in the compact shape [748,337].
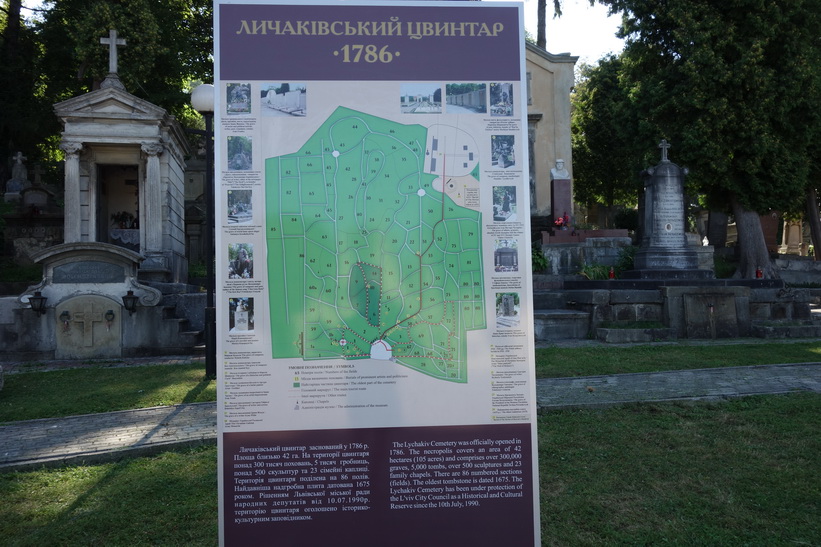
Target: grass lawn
[555,362]
[743,472]
[32,395]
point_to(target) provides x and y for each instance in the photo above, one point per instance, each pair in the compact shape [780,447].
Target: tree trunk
[541,33]
[754,254]
[814,218]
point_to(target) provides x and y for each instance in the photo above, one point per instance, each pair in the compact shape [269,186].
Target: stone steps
[789,329]
[554,324]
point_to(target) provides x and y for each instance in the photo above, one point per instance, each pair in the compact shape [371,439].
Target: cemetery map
[368,256]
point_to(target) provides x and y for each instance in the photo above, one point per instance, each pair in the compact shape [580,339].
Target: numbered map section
[368,257]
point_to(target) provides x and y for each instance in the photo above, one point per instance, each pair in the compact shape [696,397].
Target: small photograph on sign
[504,203]
[241,315]
[507,310]
[421,98]
[502,151]
[501,99]
[284,99]
[240,209]
[240,261]
[506,255]
[238,99]
[466,98]
[239,154]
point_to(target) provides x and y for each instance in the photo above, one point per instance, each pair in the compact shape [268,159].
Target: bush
[11,272]
[724,267]
[595,272]
[540,262]
[627,257]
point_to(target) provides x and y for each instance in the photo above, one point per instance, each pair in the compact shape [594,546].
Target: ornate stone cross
[112,41]
[664,145]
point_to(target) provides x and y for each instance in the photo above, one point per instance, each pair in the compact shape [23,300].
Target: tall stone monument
[664,252]
[124,174]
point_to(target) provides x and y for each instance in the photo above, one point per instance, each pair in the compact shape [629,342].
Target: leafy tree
[169,44]
[59,55]
[735,86]
[21,100]
[608,151]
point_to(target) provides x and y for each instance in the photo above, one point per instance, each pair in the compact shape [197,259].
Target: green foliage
[10,271]
[58,55]
[724,268]
[627,256]
[540,262]
[607,155]
[197,269]
[595,272]
[735,85]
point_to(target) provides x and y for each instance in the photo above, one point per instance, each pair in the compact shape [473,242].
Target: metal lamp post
[202,100]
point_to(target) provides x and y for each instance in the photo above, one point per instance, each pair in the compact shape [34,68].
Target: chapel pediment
[109,103]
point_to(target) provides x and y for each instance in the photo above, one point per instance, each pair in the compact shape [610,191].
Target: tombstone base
[666,258]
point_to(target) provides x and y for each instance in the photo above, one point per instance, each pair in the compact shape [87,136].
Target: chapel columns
[152,206]
[73,219]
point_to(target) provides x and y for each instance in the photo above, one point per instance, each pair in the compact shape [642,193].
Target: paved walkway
[96,437]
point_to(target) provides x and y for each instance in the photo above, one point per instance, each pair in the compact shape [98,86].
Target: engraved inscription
[90,271]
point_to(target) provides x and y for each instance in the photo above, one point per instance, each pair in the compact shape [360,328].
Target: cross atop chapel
[664,145]
[112,41]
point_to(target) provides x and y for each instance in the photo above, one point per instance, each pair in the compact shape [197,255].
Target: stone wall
[798,269]
[569,258]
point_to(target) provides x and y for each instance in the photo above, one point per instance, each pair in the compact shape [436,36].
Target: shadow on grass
[127,503]
[191,396]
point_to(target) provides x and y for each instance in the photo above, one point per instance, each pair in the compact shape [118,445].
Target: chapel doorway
[118,214]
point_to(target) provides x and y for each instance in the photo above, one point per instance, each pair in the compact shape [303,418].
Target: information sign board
[375,338]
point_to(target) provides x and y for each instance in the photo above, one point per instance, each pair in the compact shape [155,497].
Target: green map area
[367,257]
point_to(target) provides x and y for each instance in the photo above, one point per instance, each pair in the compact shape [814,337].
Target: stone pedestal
[792,239]
[561,198]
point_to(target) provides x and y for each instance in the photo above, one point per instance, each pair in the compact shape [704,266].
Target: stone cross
[664,145]
[88,317]
[112,41]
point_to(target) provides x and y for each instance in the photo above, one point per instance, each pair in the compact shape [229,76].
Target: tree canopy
[58,55]
[735,86]
[607,155]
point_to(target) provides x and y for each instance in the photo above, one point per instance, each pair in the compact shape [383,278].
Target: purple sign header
[349,42]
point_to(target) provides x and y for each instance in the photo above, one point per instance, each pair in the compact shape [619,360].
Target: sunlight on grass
[558,362]
[34,395]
